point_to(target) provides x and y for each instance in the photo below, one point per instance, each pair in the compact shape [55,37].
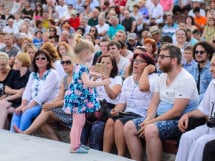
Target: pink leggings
[77,126]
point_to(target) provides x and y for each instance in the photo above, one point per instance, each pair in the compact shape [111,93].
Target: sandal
[79,149]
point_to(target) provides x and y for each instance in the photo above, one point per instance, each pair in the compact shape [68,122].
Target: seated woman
[14,92]
[136,94]
[42,86]
[53,110]
[55,57]
[92,133]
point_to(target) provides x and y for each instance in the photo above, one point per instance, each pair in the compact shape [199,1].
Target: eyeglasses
[67,62]
[51,30]
[40,58]
[163,56]
[199,52]
[93,30]
[213,41]
[139,61]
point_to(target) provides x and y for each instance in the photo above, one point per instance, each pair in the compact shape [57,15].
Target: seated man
[170,100]
[193,142]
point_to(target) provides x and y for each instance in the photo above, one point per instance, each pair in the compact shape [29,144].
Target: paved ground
[18,147]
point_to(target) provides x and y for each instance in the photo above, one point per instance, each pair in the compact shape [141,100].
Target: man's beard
[165,68]
[201,61]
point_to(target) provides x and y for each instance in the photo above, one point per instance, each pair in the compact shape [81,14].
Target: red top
[74,22]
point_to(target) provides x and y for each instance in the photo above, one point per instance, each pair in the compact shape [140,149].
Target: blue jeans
[24,120]
[92,135]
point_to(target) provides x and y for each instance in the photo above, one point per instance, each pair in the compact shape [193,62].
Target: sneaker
[85,147]
[78,150]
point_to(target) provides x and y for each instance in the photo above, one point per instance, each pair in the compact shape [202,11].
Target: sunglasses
[199,52]
[213,41]
[40,58]
[51,30]
[67,62]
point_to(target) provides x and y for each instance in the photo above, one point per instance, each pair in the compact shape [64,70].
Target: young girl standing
[80,97]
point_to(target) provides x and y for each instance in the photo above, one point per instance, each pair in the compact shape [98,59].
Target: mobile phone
[100,67]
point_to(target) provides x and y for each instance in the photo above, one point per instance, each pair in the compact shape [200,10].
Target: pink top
[166,4]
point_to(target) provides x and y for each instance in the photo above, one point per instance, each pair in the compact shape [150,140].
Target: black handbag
[100,115]
[194,122]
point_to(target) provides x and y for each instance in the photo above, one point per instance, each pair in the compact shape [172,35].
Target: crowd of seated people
[161,69]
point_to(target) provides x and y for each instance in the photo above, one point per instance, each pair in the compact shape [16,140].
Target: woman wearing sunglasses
[42,86]
[134,100]
[52,111]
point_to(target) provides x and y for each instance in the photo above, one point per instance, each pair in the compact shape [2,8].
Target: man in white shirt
[192,143]
[156,12]
[114,48]
[61,9]
[196,3]
[10,29]
[170,100]
[16,7]
[102,27]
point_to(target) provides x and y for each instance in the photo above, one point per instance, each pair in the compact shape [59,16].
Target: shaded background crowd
[129,38]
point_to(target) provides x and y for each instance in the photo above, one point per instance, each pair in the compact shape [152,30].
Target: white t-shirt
[15,8]
[156,11]
[103,28]
[122,65]
[61,10]
[136,100]
[202,13]
[10,30]
[102,93]
[208,100]
[184,86]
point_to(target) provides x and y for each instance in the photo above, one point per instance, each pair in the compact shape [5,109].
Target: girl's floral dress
[79,98]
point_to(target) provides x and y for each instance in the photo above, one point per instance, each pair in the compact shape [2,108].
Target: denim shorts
[168,129]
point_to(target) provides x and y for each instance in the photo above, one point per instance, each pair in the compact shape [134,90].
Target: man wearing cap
[170,100]
[132,41]
[74,20]
[155,32]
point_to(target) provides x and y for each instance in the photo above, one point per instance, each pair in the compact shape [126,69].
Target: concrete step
[19,147]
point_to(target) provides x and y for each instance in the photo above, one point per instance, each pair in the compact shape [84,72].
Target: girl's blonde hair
[80,45]
[4,56]
[24,58]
